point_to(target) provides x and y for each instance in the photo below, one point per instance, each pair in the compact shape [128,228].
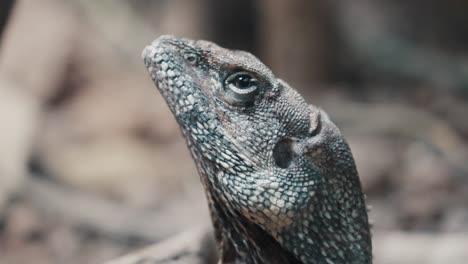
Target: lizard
[280,179]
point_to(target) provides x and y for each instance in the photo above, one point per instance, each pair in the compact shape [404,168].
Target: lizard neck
[324,230]
[239,240]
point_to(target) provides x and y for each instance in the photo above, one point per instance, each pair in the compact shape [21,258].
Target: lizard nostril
[283,153]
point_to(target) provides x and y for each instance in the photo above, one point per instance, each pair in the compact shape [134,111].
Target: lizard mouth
[151,56]
[165,66]
[160,60]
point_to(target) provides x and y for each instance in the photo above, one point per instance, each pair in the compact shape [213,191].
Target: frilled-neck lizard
[280,180]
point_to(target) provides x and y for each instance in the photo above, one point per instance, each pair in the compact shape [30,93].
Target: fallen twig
[195,246]
[110,218]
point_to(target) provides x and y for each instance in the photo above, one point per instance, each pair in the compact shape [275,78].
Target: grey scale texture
[280,180]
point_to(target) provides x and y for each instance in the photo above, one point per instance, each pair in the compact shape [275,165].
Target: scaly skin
[279,178]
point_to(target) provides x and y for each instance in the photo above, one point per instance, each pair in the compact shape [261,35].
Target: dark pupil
[191,58]
[243,81]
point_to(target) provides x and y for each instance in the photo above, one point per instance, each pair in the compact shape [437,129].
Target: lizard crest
[279,178]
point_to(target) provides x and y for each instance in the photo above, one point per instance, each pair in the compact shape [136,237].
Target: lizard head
[211,89]
[264,154]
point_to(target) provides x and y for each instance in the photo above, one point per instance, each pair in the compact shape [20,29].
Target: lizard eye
[241,87]
[191,58]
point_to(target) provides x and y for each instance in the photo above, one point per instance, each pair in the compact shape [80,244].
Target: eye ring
[241,87]
[191,58]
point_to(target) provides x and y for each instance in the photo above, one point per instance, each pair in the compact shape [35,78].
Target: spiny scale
[280,179]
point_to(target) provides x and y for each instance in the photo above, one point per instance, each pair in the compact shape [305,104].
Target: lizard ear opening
[283,153]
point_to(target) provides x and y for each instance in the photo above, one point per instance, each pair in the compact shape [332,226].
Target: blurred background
[92,164]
